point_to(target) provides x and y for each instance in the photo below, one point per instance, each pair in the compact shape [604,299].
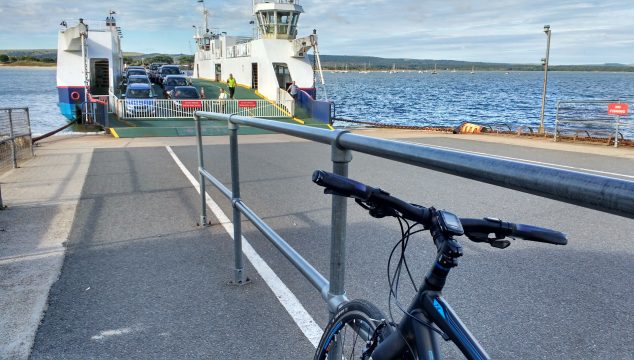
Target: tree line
[6,59]
[166,59]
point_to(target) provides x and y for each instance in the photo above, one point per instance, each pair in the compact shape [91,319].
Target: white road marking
[526,160]
[109,333]
[302,318]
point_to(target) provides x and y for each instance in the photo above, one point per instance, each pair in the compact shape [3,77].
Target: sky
[508,31]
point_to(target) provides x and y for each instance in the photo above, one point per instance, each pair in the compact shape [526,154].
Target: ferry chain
[392,126]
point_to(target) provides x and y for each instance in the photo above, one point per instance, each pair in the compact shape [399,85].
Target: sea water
[446,99]
[36,89]
[450,98]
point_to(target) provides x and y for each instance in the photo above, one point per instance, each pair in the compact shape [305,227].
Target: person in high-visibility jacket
[232,85]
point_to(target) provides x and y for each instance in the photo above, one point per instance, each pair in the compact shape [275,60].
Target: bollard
[201,178]
[239,278]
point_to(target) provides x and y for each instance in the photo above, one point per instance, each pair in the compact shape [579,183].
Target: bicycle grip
[341,185]
[539,234]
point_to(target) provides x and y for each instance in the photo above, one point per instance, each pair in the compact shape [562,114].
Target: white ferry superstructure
[89,61]
[270,61]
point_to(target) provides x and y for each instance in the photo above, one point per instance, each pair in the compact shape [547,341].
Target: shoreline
[29,67]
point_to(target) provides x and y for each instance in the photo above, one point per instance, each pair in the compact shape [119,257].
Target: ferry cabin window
[283,20]
[270,22]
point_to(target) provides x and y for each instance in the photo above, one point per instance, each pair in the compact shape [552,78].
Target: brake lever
[376,211]
[498,241]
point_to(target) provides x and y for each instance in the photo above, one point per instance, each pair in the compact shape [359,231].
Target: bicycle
[428,315]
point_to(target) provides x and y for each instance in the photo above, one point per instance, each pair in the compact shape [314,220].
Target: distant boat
[365,69]
[434,72]
[473,70]
[393,71]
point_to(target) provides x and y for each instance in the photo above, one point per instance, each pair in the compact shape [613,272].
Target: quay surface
[101,258]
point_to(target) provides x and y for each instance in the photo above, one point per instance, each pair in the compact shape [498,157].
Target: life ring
[74,96]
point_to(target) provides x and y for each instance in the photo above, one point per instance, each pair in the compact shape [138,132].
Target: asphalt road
[140,280]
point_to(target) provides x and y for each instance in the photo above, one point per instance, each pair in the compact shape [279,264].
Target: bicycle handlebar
[343,186]
[477,230]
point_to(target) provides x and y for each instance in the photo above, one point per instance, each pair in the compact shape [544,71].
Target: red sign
[617,109]
[192,104]
[247,103]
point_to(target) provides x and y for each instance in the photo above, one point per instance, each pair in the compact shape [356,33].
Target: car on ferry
[134,79]
[186,99]
[171,81]
[184,93]
[140,100]
[129,72]
[153,71]
[167,70]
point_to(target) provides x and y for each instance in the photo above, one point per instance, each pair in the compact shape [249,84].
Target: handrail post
[28,123]
[336,292]
[1,204]
[239,277]
[201,178]
[14,153]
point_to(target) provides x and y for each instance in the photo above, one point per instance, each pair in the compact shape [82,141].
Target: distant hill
[340,62]
[331,62]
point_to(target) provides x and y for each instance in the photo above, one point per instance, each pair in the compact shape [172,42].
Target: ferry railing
[166,108]
[598,192]
[286,100]
[592,117]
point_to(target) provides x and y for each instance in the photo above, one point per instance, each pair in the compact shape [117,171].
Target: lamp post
[545,64]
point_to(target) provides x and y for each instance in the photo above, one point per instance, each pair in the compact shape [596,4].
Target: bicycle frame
[429,307]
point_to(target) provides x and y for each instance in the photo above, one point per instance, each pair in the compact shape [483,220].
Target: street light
[545,65]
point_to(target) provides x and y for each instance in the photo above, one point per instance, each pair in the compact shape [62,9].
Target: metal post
[340,159]
[557,121]
[28,123]
[239,277]
[201,178]
[336,293]
[14,153]
[545,62]
[616,133]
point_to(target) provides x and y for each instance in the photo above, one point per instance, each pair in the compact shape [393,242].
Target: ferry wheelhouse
[267,62]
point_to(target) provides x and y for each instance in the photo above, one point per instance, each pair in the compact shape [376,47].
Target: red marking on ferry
[247,103]
[617,109]
[192,104]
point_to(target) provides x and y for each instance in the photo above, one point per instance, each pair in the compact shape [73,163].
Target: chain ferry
[93,83]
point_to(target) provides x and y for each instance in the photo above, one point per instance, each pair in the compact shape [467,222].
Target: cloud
[589,31]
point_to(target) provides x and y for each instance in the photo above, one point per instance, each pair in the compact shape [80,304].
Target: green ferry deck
[171,127]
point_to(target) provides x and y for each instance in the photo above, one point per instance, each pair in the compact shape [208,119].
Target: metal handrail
[614,123]
[13,136]
[606,194]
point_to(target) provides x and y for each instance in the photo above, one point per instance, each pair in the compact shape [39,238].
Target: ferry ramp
[141,280]
[173,127]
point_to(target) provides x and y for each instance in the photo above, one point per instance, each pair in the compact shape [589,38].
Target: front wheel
[348,334]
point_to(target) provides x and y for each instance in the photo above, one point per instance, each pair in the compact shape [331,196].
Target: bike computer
[449,223]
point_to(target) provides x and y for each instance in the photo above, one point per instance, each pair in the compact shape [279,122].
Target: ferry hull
[70,98]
